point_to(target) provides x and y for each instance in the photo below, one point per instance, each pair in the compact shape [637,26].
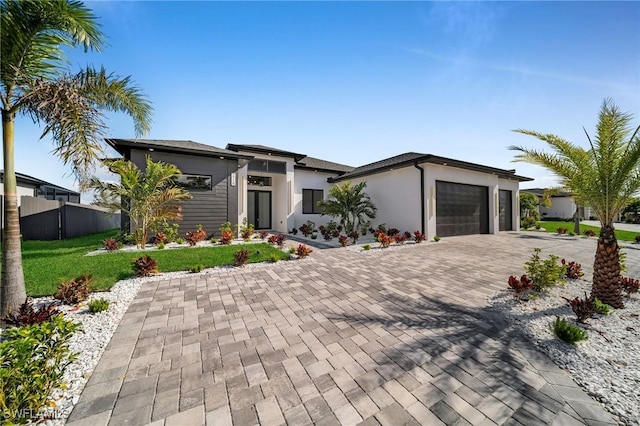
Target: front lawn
[47,263]
[551,226]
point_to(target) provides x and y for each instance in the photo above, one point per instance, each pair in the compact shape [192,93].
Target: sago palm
[350,203]
[606,177]
[34,82]
[149,196]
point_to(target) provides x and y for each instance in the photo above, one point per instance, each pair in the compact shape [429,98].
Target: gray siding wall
[207,208]
[82,219]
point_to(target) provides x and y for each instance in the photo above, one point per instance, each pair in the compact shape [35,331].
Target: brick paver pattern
[389,337]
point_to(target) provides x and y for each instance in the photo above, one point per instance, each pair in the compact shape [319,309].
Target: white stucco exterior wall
[396,194]
[308,179]
[563,207]
[22,191]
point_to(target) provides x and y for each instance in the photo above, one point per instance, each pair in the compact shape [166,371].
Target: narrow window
[310,198]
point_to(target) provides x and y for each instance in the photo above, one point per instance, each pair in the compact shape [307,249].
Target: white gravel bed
[173,246]
[606,365]
[98,329]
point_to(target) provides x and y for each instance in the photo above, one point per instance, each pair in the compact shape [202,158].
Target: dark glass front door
[259,209]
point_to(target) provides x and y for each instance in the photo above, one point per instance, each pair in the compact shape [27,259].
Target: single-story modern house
[563,205]
[279,190]
[34,187]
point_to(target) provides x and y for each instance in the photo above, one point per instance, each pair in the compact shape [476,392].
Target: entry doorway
[259,209]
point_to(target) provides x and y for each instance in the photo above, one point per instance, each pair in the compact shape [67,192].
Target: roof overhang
[121,146]
[265,151]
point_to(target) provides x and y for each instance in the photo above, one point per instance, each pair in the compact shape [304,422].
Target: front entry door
[259,209]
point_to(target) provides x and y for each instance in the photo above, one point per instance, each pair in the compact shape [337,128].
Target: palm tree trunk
[607,285]
[12,290]
[576,220]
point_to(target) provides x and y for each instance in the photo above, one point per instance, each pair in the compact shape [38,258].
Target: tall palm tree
[151,196]
[34,82]
[350,203]
[606,176]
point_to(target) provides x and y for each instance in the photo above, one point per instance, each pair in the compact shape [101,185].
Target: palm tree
[151,196]
[350,203]
[34,82]
[606,177]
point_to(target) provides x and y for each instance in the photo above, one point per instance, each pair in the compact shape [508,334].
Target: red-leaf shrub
[226,238]
[74,291]
[401,238]
[590,233]
[419,237]
[240,258]
[354,235]
[385,240]
[520,286]
[194,237]
[573,270]
[263,234]
[145,266]
[160,238]
[111,244]
[630,285]
[561,230]
[27,315]
[343,240]
[303,251]
[583,308]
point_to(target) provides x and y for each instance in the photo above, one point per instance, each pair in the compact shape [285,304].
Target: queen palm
[606,177]
[34,82]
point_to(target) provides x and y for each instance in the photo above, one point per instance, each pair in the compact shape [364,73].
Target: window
[259,180]
[193,182]
[268,166]
[310,198]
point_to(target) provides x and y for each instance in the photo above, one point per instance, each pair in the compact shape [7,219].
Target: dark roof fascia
[118,144]
[38,182]
[257,150]
[433,159]
[405,163]
[502,173]
[319,169]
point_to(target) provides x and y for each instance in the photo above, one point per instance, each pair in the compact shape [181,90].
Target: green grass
[551,226]
[47,263]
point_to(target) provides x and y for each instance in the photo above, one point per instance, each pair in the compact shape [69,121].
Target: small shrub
[567,332]
[401,238]
[601,308]
[111,244]
[225,227]
[240,258]
[436,238]
[354,235]
[335,233]
[637,238]
[561,230]
[538,226]
[160,237]
[314,236]
[74,291]
[327,236]
[573,270]
[305,229]
[583,308]
[276,240]
[180,240]
[520,286]
[385,240]
[226,238]
[343,240]
[418,237]
[572,234]
[160,246]
[294,231]
[292,250]
[98,305]
[630,285]
[33,359]
[303,251]
[323,230]
[246,229]
[213,240]
[126,238]
[264,234]
[145,266]
[382,228]
[195,237]
[528,222]
[27,315]
[392,232]
[366,247]
[544,273]
[274,257]
[196,269]
[590,233]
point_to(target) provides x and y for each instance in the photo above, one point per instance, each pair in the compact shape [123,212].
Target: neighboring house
[33,187]
[279,190]
[563,205]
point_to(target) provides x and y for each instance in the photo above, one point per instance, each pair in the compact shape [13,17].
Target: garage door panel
[461,209]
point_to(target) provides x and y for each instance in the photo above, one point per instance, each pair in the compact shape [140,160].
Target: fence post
[63,221]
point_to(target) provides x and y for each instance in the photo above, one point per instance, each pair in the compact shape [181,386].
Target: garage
[461,209]
[506,212]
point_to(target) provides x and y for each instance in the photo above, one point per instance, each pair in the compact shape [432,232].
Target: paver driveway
[392,337]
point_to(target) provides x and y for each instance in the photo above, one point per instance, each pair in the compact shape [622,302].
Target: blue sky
[356,82]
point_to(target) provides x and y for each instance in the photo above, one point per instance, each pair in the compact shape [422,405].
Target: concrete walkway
[397,336]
